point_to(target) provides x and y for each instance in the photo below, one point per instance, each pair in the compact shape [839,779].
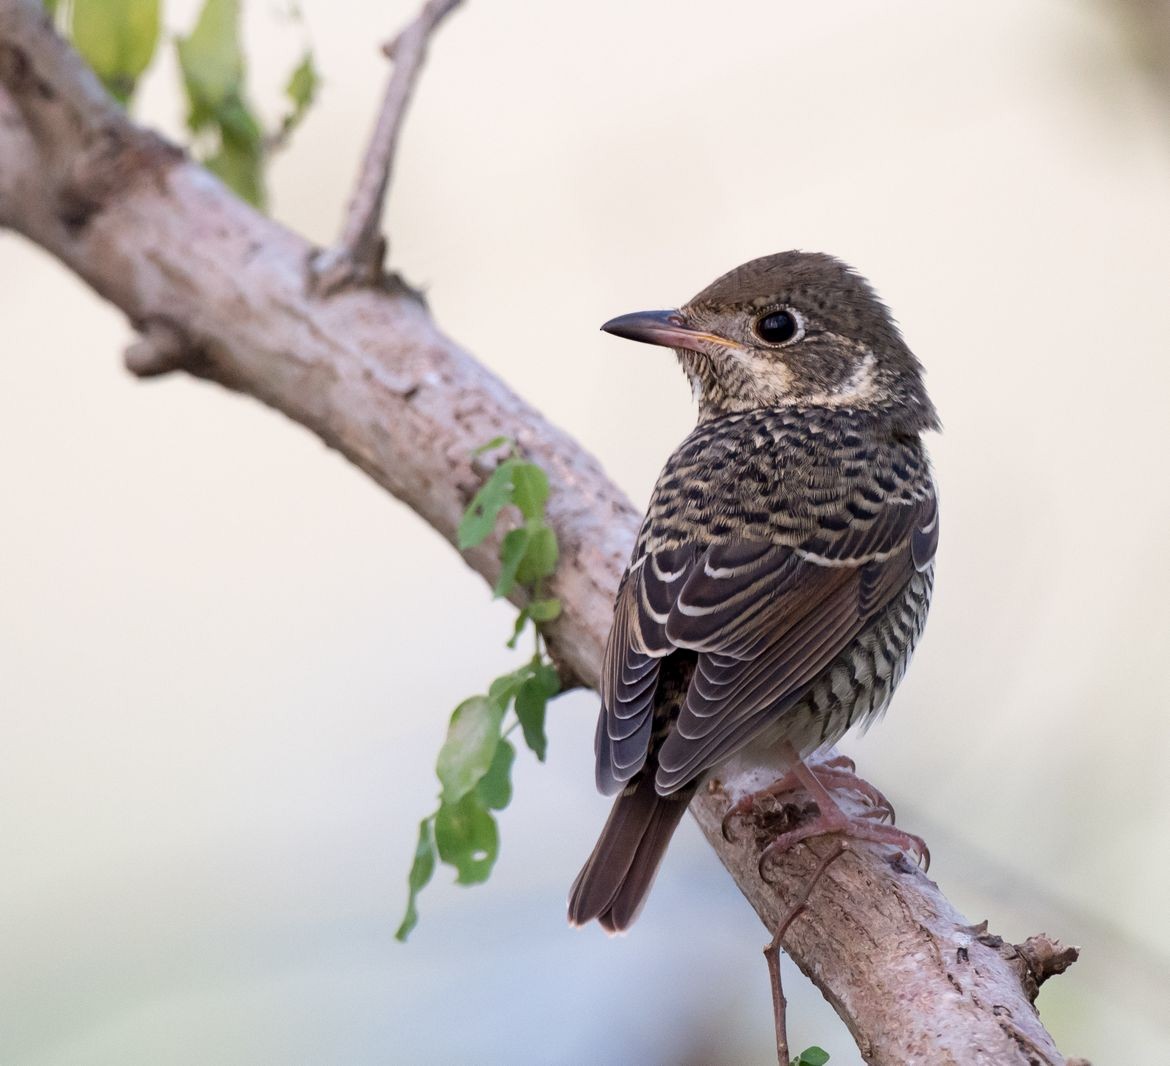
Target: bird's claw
[851,828]
[837,773]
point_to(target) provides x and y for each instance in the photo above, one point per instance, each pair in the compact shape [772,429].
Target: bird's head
[796,329]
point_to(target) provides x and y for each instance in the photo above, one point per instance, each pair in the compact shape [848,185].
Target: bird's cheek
[771,377]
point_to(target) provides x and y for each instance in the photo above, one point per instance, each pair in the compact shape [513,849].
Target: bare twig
[160,348]
[357,257]
[371,373]
[772,952]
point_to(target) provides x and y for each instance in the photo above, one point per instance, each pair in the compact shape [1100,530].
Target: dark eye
[776,327]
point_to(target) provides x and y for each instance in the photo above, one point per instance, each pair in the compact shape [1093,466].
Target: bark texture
[218,290]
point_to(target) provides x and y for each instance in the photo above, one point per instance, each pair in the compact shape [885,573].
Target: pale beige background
[226,658]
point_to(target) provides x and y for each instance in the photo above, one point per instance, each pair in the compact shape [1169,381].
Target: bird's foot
[832,819]
[836,773]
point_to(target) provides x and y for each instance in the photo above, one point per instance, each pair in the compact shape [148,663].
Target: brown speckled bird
[783,572]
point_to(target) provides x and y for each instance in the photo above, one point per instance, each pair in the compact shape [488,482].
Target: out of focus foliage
[119,39]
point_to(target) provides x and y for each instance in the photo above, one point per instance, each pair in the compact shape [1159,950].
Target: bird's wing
[629,673]
[765,620]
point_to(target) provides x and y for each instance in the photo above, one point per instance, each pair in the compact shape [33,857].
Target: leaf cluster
[474,766]
[119,38]
[529,552]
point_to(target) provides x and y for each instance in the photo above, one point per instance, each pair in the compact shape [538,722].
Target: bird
[782,575]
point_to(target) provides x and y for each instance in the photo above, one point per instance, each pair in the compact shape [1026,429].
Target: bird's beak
[667,328]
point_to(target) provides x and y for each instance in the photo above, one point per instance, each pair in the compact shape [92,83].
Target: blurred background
[227,658]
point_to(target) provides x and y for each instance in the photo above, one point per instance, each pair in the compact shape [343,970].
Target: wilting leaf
[420,873]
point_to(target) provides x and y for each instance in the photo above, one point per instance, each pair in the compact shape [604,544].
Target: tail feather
[614,883]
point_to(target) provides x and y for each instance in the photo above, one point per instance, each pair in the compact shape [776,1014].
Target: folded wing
[763,619]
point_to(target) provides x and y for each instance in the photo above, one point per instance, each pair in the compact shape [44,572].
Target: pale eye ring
[781,326]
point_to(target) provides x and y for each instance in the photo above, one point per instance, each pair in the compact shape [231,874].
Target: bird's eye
[776,327]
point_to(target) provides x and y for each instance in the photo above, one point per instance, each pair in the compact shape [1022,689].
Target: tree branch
[357,256]
[226,294]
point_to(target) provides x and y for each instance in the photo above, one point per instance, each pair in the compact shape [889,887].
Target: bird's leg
[832,819]
[838,772]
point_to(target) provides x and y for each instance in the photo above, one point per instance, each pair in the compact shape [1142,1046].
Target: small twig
[159,348]
[772,952]
[357,256]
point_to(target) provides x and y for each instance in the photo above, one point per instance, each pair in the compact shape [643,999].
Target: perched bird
[782,574]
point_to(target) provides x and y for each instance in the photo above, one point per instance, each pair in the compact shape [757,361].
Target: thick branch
[226,294]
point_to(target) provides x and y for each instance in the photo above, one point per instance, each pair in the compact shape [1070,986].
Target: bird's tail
[614,883]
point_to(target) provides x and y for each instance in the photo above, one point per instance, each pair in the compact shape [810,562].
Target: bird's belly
[856,688]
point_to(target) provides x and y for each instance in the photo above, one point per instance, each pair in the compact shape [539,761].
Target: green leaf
[518,628]
[238,126]
[467,838]
[544,610]
[531,702]
[421,871]
[811,1056]
[480,517]
[493,444]
[301,91]
[512,550]
[503,690]
[470,746]
[212,61]
[240,170]
[531,489]
[540,558]
[117,38]
[548,679]
[495,787]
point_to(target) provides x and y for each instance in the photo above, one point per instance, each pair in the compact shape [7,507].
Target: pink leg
[832,819]
[816,781]
[835,773]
